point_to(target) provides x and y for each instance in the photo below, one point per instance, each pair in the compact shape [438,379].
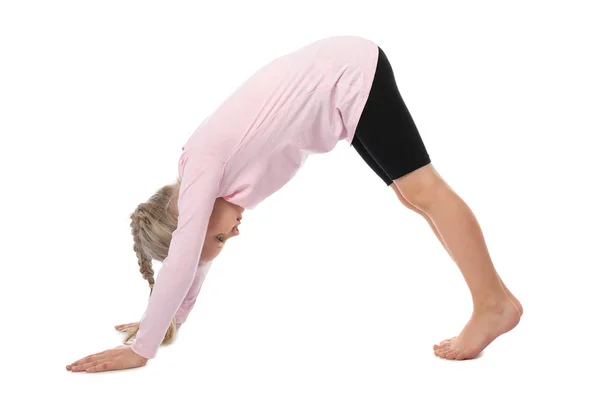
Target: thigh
[362,151]
[386,128]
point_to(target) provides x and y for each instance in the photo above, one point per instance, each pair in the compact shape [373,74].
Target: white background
[334,293]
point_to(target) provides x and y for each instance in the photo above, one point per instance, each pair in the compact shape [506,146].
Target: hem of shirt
[365,93]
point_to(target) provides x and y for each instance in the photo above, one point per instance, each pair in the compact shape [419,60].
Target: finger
[113,365]
[84,366]
[126,326]
[81,361]
[88,365]
[90,358]
[102,367]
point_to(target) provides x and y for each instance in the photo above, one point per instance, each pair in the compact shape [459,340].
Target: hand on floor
[121,357]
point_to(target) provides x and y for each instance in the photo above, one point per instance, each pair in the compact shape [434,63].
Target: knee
[421,189]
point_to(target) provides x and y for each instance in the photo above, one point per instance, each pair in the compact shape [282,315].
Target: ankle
[491,304]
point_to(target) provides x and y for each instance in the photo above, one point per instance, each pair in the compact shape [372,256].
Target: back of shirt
[301,103]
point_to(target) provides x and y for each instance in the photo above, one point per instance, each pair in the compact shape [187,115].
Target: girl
[338,88]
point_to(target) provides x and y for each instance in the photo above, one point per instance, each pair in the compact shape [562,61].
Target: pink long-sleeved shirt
[301,103]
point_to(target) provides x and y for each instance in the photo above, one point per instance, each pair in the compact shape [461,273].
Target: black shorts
[386,136]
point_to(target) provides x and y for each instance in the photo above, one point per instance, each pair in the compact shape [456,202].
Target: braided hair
[152,225]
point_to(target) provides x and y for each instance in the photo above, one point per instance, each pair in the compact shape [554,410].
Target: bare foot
[483,327]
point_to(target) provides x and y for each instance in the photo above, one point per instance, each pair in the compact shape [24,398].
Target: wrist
[134,349]
[140,357]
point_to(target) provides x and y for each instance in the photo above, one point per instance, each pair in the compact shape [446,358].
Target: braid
[138,220]
[145,244]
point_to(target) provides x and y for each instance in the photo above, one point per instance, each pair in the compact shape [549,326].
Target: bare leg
[493,311]
[435,231]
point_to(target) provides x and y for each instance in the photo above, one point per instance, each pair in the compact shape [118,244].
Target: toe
[442,352]
[443,344]
[439,345]
[447,344]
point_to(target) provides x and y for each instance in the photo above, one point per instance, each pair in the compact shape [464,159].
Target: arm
[190,299]
[200,180]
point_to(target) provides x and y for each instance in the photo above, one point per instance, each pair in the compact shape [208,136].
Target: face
[222,226]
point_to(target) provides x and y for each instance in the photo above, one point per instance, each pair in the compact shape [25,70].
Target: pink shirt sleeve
[190,299]
[200,180]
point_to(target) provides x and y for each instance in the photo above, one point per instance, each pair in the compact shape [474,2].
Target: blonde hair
[152,225]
